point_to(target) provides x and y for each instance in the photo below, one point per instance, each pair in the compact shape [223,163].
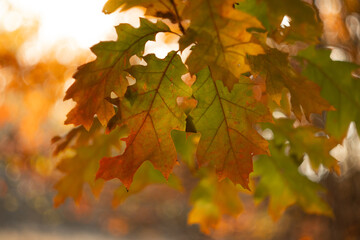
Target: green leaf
[79,168]
[306,139]
[226,123]
[338,86]
[258,9]
[281,181]
[95,81]
[186,144]
[304,23]
[145,176]
[150,118]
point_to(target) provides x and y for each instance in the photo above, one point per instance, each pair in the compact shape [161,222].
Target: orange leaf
[221,39]
[96,80]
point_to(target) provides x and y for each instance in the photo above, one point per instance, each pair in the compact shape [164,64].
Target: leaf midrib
[226,123]
[152,102]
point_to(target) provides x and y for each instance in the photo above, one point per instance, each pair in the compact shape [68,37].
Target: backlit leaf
[81,166]
[226,123]
[304,24]
[281,181]
[338,86]
[279,75]
[145,176]
[306,139]
[150,118]
[221,38]
[95,81]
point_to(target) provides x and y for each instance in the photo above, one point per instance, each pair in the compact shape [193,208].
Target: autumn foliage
[209,110]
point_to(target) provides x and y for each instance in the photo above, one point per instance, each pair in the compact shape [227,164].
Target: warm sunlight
[65,26]
[179,119]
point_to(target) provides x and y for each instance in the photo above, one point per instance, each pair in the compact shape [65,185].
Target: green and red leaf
[150,118]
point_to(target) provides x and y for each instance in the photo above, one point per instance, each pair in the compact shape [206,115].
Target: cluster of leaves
[245,71]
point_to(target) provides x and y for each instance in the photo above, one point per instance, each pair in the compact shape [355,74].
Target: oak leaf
[95,81]
[145,176]
[275,68]
[221,39]
[150,118]
[80,165]
[306,139]
[281,181]
[226,122]
[303,24]
[338,86]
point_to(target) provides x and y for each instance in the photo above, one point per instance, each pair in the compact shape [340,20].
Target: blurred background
[42,43]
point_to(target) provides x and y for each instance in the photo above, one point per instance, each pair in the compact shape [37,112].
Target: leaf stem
[181,27]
